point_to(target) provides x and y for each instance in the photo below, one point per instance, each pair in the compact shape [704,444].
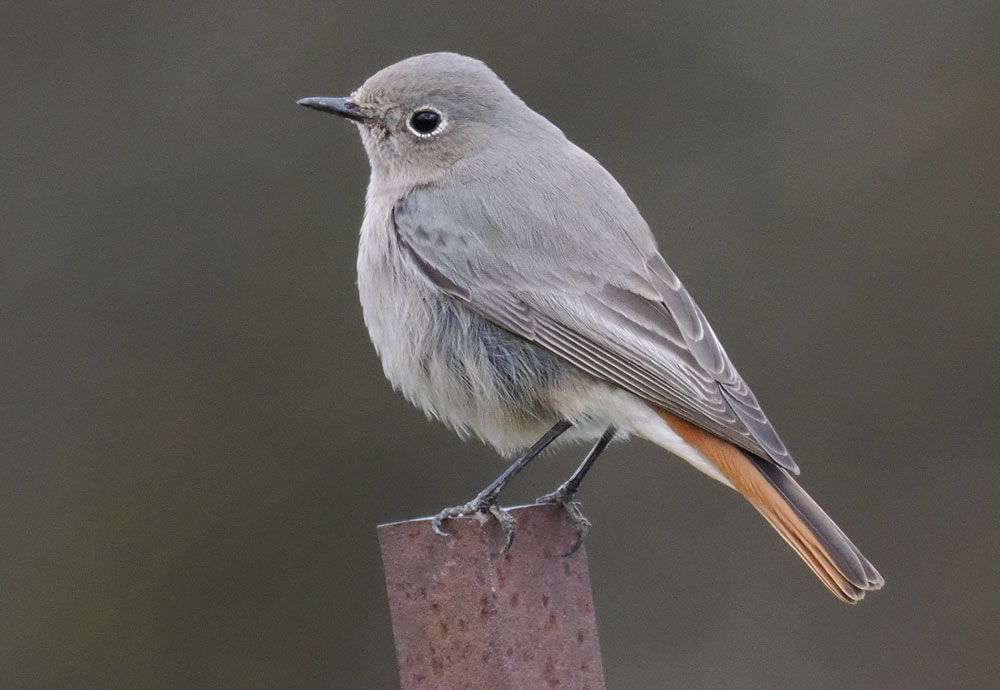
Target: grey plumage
[620,314]
[508,283]
[610,305]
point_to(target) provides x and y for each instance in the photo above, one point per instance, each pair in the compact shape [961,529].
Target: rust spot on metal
[437,666]
[519,620]
[551,675]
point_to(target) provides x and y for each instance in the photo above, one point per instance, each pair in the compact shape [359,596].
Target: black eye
[425,121]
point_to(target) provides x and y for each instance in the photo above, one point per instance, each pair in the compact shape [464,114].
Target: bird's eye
[425,121]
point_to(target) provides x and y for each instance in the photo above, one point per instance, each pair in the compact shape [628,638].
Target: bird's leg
[486,500]
[564,494]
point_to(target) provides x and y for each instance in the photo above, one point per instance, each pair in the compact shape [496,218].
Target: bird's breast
[443,356]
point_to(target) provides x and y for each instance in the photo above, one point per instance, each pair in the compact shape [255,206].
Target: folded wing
[628,321]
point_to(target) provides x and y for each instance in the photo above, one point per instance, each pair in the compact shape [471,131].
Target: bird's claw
[507,524]
[479,506]
[580,523]
[436,523]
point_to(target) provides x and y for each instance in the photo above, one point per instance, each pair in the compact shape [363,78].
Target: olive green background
[196,440]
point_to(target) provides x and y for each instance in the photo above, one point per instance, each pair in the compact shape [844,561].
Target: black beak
[337,106]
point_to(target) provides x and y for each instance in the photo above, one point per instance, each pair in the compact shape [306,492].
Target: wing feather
[633,325]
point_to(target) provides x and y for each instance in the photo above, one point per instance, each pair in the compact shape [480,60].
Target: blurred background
[196,439]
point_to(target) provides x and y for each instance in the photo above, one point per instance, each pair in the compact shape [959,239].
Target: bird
[513,290]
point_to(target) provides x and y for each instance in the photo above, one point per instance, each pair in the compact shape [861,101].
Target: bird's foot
[564,497]
[484,505]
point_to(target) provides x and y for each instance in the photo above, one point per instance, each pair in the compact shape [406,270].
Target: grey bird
[512,290]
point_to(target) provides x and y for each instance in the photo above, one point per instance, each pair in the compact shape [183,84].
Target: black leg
[564,494]
[486,500]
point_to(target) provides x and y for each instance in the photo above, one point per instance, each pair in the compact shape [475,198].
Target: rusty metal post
[466,617]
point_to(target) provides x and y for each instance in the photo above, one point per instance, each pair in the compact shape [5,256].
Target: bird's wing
[614,310]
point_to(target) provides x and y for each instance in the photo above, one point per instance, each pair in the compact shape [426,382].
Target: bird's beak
[337,106]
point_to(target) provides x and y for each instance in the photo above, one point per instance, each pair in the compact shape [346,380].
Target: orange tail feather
[791,511]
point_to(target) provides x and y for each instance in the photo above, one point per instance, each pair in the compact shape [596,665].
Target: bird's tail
[791,511]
